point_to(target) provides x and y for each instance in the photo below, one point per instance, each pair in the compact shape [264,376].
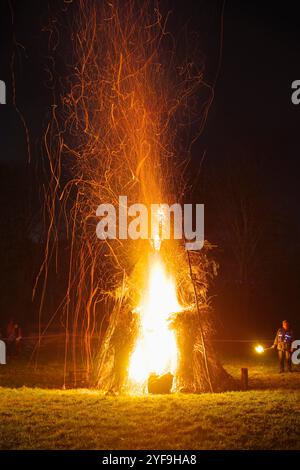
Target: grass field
[35,417]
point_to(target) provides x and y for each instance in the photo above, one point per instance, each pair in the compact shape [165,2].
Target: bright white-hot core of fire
[156,349]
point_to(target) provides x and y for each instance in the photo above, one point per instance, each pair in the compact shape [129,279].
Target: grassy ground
[34,417]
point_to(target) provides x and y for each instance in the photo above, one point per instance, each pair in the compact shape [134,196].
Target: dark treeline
[246,160]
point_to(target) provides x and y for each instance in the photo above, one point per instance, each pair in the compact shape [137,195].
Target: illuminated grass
[35,418]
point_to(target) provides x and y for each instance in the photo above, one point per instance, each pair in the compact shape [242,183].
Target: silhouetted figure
[13,338]
[283,342]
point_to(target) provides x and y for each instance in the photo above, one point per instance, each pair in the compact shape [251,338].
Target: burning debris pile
[162,345]
[128,115]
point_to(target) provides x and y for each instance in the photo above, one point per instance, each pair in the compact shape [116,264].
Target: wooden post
[244,378]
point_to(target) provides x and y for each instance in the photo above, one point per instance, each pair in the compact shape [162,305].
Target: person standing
[13,337]
[283,342]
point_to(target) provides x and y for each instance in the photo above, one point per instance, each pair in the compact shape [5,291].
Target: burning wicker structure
[130,107]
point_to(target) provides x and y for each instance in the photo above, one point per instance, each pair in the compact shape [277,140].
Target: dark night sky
[252,109]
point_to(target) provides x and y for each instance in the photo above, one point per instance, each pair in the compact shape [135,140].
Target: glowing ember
[259,349]
[156,349]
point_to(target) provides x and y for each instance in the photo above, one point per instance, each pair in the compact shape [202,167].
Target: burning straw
[128,112]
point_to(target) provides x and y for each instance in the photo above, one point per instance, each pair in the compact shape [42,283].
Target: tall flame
[156,348]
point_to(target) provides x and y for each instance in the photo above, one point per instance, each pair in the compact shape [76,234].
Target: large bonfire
[125,122]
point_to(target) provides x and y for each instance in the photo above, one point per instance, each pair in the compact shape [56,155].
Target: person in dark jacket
[13,337]
[283,342]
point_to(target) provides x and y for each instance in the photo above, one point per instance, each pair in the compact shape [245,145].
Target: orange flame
[156,348]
